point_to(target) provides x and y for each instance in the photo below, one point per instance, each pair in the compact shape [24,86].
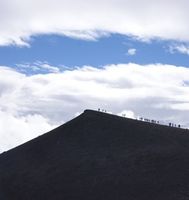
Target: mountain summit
[98,156]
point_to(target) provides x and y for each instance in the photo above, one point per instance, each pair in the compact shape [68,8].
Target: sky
[62,57]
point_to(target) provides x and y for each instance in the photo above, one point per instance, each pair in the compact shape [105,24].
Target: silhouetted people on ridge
[146,119]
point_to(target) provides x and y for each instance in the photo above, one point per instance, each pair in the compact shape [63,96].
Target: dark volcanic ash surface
[98,156]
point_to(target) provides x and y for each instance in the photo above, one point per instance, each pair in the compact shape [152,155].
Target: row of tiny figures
[149,120]
[174,125]
[157,122]
[102,110]
[145,119]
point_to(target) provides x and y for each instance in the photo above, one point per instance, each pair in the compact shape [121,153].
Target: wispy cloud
[37,103]
[38,67]
[179,48]
[21,19]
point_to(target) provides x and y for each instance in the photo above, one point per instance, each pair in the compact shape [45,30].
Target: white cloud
[128,114]
[131,52]
[38,103]
[88,19]
[15,130]
[179,48]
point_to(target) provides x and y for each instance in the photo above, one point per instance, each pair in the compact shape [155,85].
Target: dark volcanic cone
[98,156]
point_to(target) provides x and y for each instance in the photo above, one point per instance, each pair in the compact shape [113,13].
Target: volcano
[99,156]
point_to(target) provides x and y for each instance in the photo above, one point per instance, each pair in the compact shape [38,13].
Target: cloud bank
[31,105]
[88,19]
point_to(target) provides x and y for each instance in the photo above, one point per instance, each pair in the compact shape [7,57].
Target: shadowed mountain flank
[98,156]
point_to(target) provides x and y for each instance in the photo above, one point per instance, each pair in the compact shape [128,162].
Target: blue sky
[64,51]
[57,59]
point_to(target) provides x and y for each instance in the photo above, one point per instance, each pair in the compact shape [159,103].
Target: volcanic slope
[98,156]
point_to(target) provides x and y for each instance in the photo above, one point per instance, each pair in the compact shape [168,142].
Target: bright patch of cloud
[21,19]
[15,129]
[128,114]
[131,52]
[30,105]
[179,48]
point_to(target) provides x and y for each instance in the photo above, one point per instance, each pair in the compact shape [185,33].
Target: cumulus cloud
[131,52]
[31,105]
[88,19]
